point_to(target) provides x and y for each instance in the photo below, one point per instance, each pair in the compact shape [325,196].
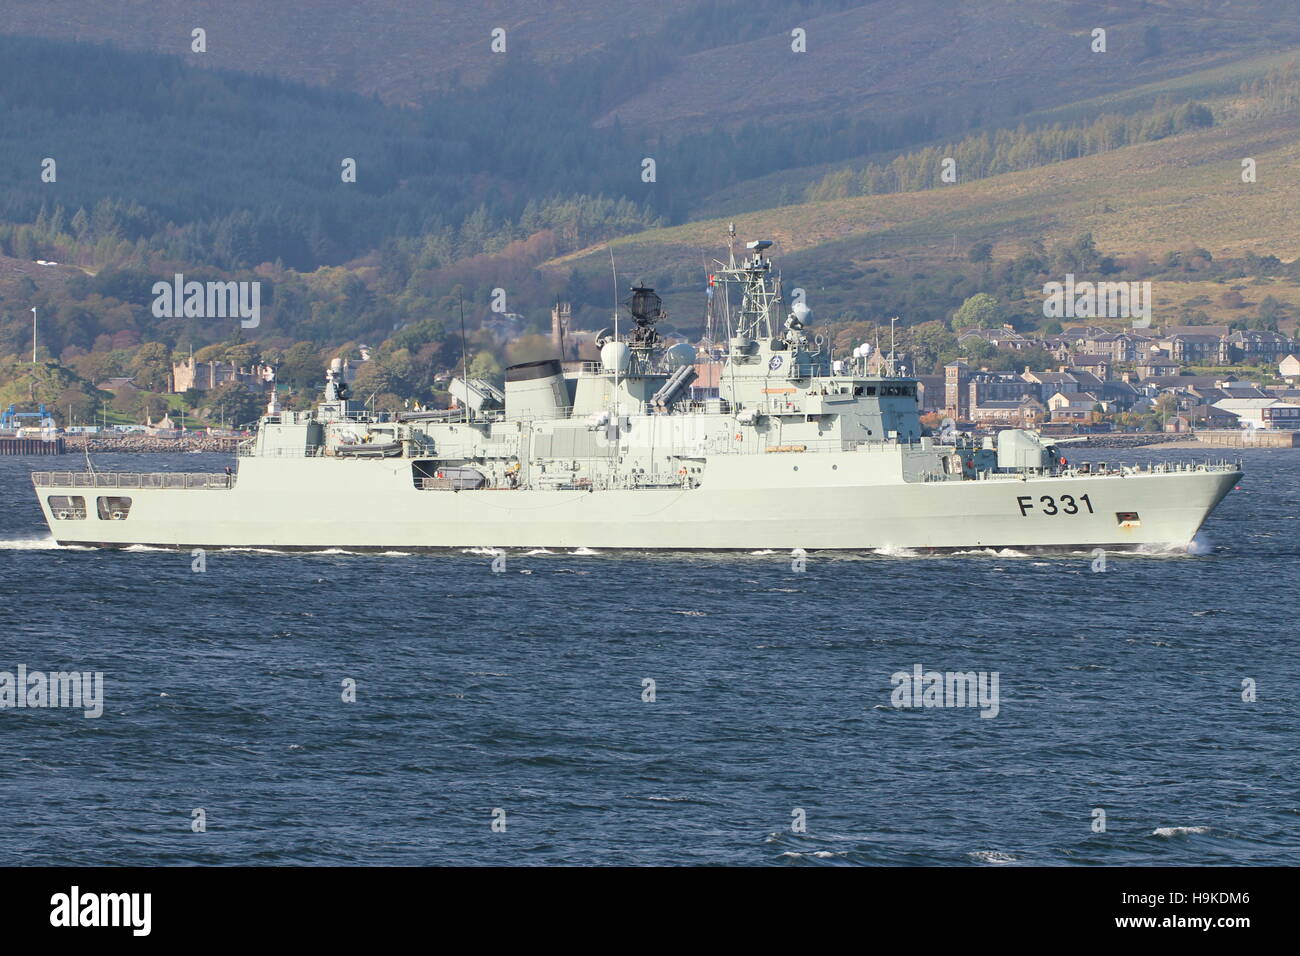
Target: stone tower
[561,313]
[956,375]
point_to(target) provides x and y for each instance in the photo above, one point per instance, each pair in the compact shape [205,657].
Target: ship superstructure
[793,451]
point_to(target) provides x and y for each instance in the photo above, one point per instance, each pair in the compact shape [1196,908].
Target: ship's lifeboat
[370,450]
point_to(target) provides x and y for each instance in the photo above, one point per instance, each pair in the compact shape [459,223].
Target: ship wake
[31,544]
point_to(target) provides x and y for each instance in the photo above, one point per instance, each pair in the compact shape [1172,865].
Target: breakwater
[76,444]
[1131,440]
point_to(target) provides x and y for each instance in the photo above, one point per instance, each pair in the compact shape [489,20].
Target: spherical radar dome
[615,356]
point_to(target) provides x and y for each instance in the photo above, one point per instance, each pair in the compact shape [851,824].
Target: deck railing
[82,479]
[250,451]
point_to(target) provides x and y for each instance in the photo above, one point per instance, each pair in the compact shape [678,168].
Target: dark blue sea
[518,697]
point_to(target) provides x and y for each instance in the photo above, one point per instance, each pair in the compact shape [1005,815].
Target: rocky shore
[1230,438]
[1136,440]
[76,444]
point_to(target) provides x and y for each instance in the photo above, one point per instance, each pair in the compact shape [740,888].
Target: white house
[1074,406]
[1262,412]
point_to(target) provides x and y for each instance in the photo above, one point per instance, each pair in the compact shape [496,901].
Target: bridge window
[67,507]
[114,508]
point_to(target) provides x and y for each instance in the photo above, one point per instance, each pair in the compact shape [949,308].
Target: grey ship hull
[815,502]
[794,451]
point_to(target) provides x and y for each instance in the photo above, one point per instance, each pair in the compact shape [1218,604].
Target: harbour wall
[31,446]
[1249,438]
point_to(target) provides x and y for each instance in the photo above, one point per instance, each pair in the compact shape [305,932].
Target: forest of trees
[1008,150]
[157,161]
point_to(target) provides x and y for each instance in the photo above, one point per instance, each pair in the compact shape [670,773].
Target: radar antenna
[760,288]
[646,309]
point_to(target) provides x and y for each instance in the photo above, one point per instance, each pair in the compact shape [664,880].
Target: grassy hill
[1219,85]
[1148,198]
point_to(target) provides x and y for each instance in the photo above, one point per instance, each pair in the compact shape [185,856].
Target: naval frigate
[792,450]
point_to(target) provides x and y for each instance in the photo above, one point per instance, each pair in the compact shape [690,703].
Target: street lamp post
[33,335]
[892,354]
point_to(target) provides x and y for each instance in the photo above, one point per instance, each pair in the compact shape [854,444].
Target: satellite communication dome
[615,356]
[802,312]
[683,353]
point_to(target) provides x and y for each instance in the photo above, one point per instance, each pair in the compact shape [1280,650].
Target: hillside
[398,50]
[710,60]
[1149,198]
[1217,84]
[499,183]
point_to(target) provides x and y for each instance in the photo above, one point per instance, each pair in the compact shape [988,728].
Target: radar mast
[760,289]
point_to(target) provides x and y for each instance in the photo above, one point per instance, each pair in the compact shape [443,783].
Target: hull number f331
[1058,505]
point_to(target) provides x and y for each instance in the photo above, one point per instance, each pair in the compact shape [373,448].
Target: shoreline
[148,444]
[1155,440]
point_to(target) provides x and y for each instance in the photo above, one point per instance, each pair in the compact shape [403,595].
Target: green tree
[301,366]
[485,365]
[377,377]
[234,404]
[151,366]
[980,311]
[76,404]
[244,355]
[416,335]
[153,406]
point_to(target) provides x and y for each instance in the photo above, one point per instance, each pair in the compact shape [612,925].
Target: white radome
[615,357]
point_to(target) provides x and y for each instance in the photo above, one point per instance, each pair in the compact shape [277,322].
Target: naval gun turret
[336,405]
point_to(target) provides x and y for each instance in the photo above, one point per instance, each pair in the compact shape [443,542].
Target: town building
[1262,412]
[1250,345]
[205,376]
[1157,368]
[1080,408]
[1022,412]
[1203,347]
[1092,363]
